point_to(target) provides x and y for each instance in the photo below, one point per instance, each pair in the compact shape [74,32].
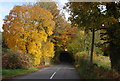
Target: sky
[5,8]
[7,5]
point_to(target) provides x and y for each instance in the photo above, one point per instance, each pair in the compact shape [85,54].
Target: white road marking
[52,75]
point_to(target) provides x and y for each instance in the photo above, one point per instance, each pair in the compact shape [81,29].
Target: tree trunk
[42,60]
[85,42]
[92,46]
[115,57]
[26,45]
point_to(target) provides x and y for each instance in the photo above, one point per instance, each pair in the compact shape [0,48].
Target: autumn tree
[88,16]
[110,34]
[62,31]
[76,44]
[47,50]
[26,27]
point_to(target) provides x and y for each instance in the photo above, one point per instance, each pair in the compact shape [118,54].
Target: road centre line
[52,75]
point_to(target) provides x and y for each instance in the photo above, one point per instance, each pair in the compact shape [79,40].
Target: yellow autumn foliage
[26,28]
[48,49]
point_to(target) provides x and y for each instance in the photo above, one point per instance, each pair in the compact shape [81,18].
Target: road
[61,71]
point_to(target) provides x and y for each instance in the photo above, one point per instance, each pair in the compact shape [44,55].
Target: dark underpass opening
[66,57]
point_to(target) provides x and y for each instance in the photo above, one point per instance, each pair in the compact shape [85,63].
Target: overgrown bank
[101,68]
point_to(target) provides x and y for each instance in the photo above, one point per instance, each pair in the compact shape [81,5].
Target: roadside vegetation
[7,73]
[32,36]
[95,46]
[101,68]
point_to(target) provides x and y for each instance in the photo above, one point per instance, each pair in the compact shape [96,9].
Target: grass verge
[7,73]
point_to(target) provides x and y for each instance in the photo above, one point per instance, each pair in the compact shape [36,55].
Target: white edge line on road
[52,75]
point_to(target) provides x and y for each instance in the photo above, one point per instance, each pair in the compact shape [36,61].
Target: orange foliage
[26,27]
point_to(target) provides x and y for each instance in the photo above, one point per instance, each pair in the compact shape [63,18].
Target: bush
[15,60]
[102,73]
[102,61]
[82,58]
[99,70]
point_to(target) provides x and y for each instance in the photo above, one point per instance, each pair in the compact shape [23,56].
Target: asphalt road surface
[61,71]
